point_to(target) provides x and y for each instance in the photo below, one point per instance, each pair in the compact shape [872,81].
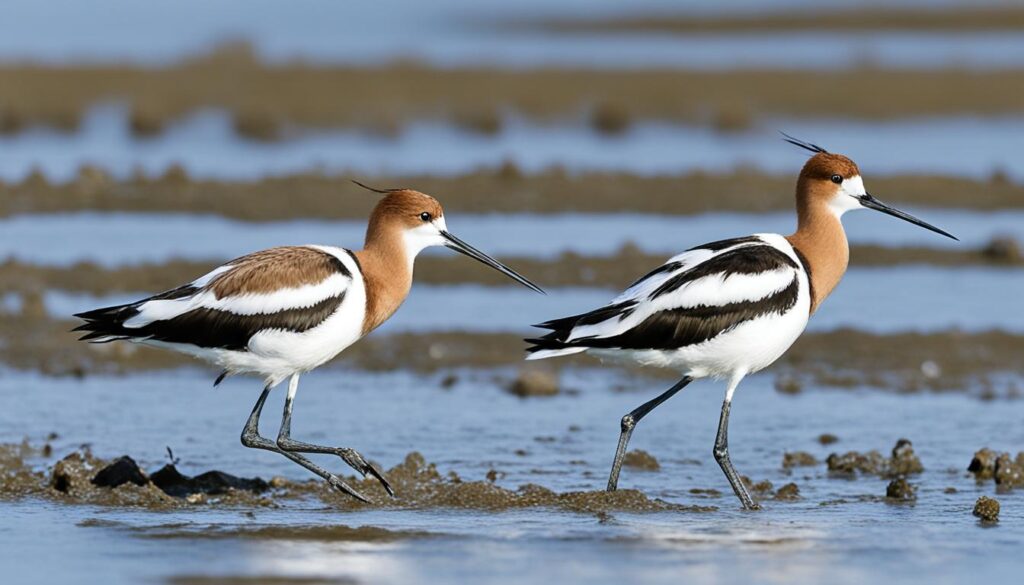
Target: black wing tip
[543,343]
[552,324]
[98,337]
[102,325]
[810,146]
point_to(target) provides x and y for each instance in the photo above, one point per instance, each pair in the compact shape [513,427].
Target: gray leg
[629,422]
[251,438]
[722,454]
[349,456]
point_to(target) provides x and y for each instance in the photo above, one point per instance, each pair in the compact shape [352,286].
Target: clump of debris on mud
[1006,471]
[642,460]
[902,462]
[81,477]
[987,509]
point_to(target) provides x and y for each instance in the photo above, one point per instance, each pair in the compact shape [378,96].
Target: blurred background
[582,142]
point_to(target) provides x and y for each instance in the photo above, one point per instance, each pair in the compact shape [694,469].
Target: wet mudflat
[110,239]
[841,526]
[208,144]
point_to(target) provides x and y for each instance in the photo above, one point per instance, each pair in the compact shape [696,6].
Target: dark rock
[174,483]
[123,470]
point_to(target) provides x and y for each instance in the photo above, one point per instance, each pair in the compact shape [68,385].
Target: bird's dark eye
[837,179]
[425,216]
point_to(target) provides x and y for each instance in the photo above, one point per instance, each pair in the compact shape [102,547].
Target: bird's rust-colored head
[829,186]
[829,181]
[405,211]
[405,221]
[832,183]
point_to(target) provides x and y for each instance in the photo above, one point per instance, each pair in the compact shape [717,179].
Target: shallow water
[460,33]
[474,427]
[114,239]
[880,300]
[206,145]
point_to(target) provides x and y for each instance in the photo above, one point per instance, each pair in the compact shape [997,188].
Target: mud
[843,358]
[419,485]
[17,477]
[1006,471]
[1009,473]
[70,480]
[827,439]
[567,269]
[534,382]
[903,461]
[787,493]
[792,459]
[987,509]
[640,459]
[900,490]
[501,190]
[322,533]
[267,100]
[958,19]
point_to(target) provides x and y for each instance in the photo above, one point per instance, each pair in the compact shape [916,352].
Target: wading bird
[282,312]
[728,308]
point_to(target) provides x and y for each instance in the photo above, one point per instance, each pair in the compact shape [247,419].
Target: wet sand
[268,100]
[502,190]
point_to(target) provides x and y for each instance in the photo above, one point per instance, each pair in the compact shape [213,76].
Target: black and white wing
[292,288]
[692,298]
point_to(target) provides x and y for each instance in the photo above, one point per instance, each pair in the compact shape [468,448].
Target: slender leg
[629,422]
[349,456]
[722,450]
[251,438]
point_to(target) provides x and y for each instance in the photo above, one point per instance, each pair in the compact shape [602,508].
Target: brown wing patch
[276,268]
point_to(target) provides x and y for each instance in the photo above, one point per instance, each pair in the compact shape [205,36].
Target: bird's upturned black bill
[464,248]
[871,203]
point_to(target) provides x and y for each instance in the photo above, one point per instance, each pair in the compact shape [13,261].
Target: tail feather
[106,324]
[553,343]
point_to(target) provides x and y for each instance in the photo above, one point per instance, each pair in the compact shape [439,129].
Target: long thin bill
[464,248]
[872,203]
